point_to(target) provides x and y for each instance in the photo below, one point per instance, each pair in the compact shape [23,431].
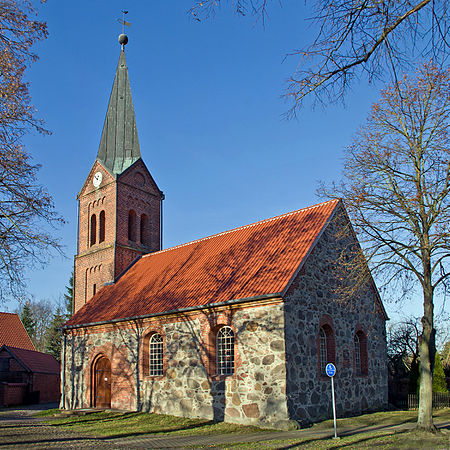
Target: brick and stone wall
[311,302]
[254,394]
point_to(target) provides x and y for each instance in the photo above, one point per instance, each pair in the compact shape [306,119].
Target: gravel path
[19,429]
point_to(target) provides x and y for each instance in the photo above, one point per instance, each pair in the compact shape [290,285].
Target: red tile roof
[35,361]
[13,333]
[250,261]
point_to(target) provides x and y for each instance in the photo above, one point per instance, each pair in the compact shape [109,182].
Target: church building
[237,327]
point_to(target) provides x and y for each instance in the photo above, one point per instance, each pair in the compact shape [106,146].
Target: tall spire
[119,144]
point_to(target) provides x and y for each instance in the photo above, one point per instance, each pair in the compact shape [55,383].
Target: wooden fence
[412,401]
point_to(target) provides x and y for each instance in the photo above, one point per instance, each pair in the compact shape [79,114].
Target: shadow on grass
[337,444]
[93,417]
[370,438]
[51,440]
[159,428]
[388,434]
[17,438]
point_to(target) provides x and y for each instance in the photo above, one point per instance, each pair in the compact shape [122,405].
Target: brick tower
[119,205]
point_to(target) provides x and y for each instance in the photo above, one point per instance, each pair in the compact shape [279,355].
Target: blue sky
[209,115]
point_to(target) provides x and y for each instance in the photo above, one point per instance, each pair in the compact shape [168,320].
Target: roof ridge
[243,227]
[28,350]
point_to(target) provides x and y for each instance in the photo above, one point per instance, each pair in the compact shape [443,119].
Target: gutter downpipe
[163,197]
[63,371]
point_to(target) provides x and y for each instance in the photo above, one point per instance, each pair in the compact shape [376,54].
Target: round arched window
[225,351]
[155,354]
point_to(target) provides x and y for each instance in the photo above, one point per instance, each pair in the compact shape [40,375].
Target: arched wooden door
[102,383]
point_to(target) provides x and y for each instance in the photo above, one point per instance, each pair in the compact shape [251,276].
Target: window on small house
[132,226]
[101,237]
[326,348]
[225,351]
[361,362]
[94,289]
[93,229]
[155,355]
[143,229]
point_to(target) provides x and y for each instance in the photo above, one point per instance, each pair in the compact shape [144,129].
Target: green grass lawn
[108,423]
[381,418]
[380,438]
[376,440]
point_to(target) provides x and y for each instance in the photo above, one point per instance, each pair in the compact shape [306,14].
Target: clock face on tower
[96,181]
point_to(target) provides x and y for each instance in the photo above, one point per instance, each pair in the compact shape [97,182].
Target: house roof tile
[13,333]
[35,361]
[250,261]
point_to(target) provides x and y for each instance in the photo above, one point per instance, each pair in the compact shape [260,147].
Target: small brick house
[26,376]
[238,326]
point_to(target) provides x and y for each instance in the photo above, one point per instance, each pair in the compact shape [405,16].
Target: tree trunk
[426,351]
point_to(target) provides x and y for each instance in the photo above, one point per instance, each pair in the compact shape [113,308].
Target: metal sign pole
[334,407]
[330,370]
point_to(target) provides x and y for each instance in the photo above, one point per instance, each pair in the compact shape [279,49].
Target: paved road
[19,429]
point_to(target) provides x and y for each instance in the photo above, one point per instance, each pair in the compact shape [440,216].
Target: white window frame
[323,350]
[225,351]
[156,355]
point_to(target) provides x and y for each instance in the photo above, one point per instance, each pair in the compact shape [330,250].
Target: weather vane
[123,38]
[123,21]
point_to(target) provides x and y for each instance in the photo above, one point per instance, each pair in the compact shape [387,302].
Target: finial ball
[123,39]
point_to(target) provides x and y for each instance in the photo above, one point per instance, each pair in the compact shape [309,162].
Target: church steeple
[119,144]
[119,205]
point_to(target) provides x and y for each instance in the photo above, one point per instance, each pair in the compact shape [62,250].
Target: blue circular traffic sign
[330,370]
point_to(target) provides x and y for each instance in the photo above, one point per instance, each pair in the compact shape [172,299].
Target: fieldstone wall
[310,301]
[255,394]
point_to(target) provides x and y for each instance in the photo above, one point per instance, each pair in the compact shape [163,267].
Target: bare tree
[403,342]
[446,357]
[26,209]
[352,39]
[395,186]
[18,33]
[41,312]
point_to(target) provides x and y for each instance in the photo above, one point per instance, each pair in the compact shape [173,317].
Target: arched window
[361,361]
[357,355]
[143,228]
[101,236]
[93,229]
[155,355]
[326,347]
[225,351]
[323,350]
[132,226]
